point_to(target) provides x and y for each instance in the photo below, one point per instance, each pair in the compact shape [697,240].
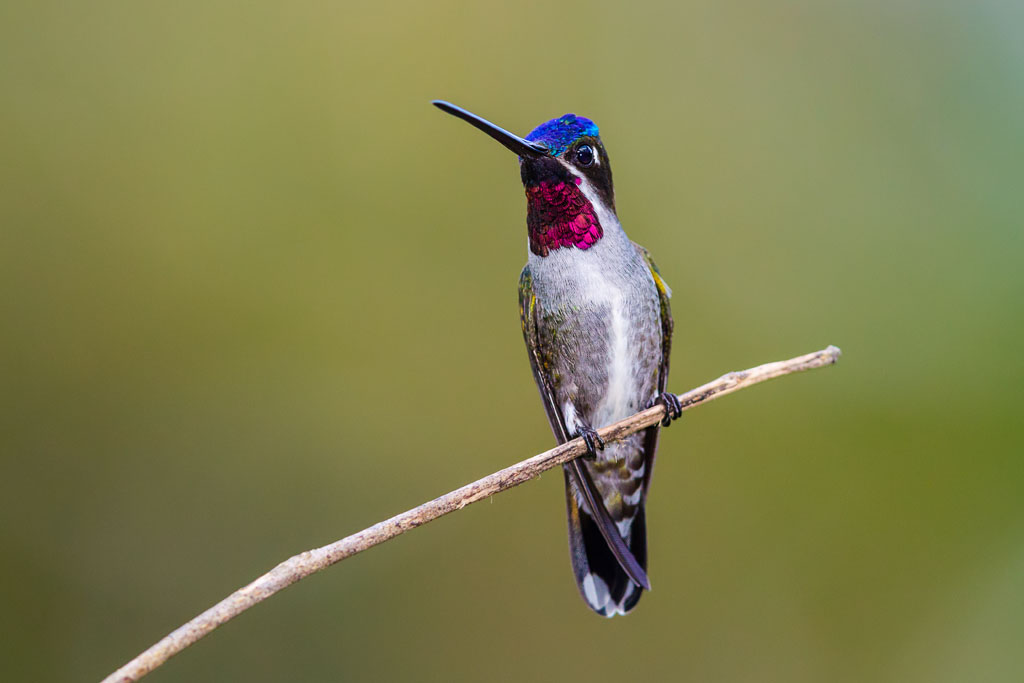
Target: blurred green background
[258,294]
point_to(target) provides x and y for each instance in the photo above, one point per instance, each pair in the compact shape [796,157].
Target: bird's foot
[593,440]
[673,408]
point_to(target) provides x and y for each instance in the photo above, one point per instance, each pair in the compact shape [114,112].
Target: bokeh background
[259,294]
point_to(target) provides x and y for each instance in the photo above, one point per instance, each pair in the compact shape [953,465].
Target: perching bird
[597,325]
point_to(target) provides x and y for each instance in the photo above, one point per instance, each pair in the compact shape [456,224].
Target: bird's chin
[543,169]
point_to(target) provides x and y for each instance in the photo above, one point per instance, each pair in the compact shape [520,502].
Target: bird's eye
[585,156]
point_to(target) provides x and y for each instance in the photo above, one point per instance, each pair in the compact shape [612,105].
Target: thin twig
[302,565]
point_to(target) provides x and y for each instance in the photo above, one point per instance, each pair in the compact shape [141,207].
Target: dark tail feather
[605,587]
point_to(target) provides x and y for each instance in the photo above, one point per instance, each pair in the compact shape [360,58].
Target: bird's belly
[608,356]
[624,389]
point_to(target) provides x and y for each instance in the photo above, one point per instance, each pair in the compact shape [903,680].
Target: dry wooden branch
[302,565]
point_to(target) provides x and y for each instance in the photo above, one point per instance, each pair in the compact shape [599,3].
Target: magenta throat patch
[559,216]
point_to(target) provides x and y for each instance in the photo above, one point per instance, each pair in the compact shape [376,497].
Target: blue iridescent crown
[559,133]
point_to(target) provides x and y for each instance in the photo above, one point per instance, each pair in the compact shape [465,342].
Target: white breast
[621,360]
[621,378]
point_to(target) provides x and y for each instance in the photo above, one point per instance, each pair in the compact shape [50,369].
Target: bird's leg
[580,428]
[593,440]
[673,408]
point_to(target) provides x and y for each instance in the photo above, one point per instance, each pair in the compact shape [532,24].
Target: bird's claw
[593,440]
[673,408]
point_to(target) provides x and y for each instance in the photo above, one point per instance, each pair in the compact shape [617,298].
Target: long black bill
[523,148]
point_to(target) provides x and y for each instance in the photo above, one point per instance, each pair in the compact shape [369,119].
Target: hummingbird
[598,329]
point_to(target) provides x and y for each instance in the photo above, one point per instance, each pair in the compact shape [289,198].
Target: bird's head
[566,175]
